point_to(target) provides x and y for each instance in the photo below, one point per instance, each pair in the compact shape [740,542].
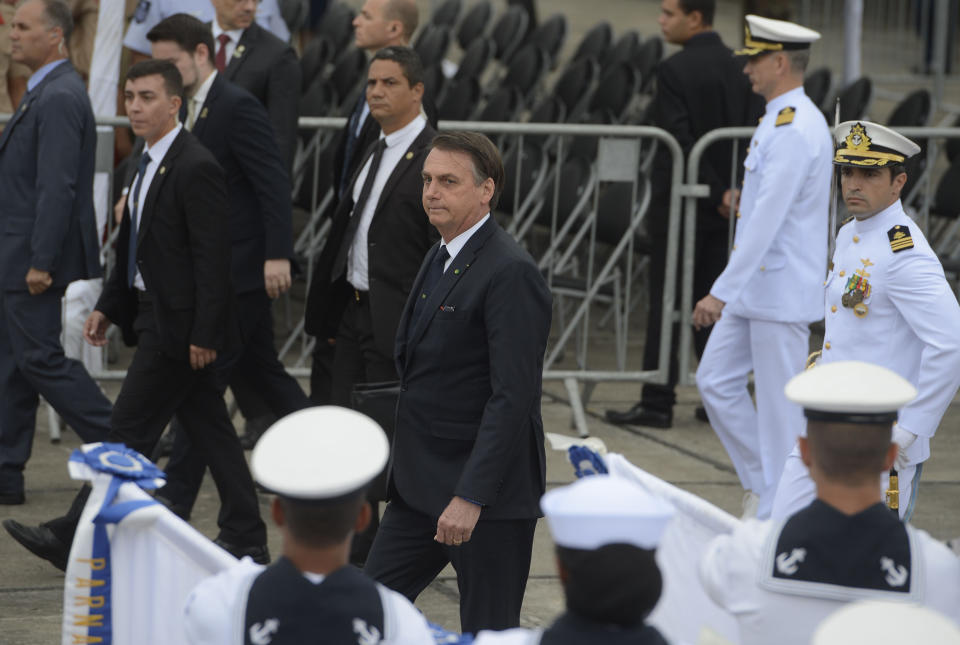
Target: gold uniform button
[734,247]
[833,308]
[856,238]
[826,345]
[842,273]
[738,214]
[763,268]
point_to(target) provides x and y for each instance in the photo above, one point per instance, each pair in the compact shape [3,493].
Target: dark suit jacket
[267,67]
[234,126]
[471,368]
[47,155]
[399,236]
[183,253]
[701,88]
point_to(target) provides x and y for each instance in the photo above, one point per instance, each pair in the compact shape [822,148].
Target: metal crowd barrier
[944,236]
[581,275]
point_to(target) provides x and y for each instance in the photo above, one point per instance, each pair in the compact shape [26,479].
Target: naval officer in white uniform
[886,302]
[779,578]
[318,462]
[606,531]
[772,286]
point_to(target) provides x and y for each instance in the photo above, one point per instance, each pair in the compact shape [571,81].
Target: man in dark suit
[468,464]
[699,89]
[380,23]
[376,244]
[259,62]
[171,294]
[48,239]
[230,122]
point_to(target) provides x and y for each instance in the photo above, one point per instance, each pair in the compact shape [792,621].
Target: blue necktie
[434,273]
[134,214]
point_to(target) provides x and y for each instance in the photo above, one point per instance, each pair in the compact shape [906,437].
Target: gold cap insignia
[858,139]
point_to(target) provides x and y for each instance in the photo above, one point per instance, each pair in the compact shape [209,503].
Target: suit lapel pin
[456,272]
[409,156]
[239,52]
[203,113]
[163,169]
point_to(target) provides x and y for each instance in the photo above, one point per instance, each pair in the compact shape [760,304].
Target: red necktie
[221,58]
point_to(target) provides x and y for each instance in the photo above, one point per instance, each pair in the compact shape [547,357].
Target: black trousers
[158,386]
[356,358]
[492,568]
[255,362]
[710,258]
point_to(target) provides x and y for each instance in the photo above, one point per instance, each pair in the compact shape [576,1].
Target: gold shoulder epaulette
[785,116]
[900,239]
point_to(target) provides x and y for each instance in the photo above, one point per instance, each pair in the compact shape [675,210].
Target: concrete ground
[689,455]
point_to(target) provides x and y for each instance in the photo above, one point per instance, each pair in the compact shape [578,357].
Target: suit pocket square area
[451,312]
[462,430]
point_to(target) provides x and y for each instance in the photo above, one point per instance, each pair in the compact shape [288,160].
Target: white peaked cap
[869,622]
[320,453]
[850,391]
[862,143]
[599,510]
[765,35]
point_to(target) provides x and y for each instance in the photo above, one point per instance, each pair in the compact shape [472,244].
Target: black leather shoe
[701,413]
[641,416]
[258,554]
[181,511]
[12,499]
[40,541]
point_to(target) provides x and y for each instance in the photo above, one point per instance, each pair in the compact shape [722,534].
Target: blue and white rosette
[96,462]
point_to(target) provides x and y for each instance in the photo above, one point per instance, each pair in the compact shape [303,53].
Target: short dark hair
[408,60]
[406,12]
[487,162]
[849,453]
[172,80]
[185,30]
[707,9]
[57,14]
[617,584]
[322,524]
[897,169]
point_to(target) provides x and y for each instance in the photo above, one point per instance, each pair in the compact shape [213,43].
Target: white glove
[904,439]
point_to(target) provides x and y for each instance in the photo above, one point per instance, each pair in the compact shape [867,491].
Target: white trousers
[796,489]
[758,439]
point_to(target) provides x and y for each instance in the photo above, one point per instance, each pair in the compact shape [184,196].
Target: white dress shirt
[157,152]
[456,245]
[398,143]
[195,107]
[231,46]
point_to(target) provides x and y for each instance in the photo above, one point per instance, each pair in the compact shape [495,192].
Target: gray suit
[46,222]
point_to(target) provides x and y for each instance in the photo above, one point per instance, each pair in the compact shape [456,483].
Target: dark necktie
[351,143]
[340,265]
[134,216]
[434,273]
[220,60]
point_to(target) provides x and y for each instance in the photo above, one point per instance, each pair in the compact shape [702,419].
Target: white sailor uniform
[781,579]
[250,604]
[149,12]
[887,302]
[772,287]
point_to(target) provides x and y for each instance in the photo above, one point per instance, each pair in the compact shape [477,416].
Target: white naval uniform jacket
[775,271]
[735,572]
[908,321]
[215,610]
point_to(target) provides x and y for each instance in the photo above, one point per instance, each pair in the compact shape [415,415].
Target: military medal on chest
[857,290]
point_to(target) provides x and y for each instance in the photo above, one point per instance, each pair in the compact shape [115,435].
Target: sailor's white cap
[866,144]
[869,622]
[850,392]
[599,509]
[320,453]
[765,35]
